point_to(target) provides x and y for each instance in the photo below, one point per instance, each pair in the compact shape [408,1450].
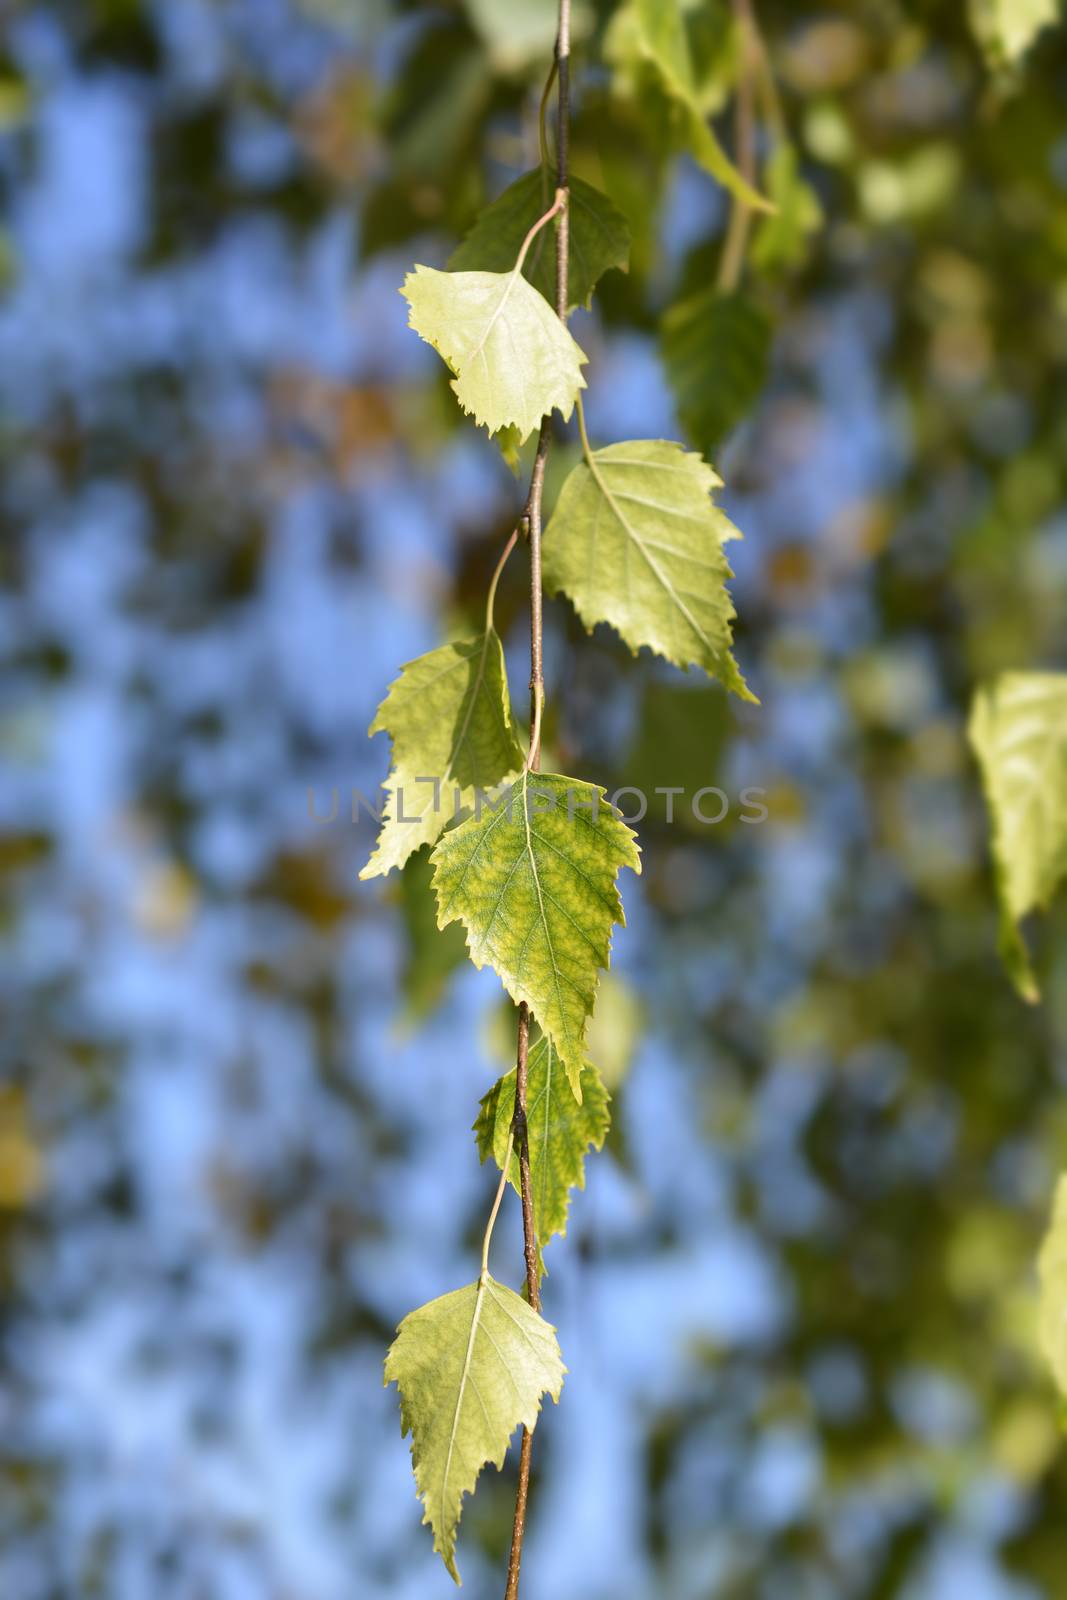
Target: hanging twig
[532,520]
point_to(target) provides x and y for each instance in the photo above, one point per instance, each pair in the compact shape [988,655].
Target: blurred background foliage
[797,1298]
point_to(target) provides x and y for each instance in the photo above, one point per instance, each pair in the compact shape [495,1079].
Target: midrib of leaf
[464,1375]
[479,349]
[629,529]
[541,905]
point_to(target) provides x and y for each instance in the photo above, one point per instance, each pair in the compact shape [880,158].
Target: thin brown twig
[532,519]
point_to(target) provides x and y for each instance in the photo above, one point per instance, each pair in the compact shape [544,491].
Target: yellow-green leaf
[560,1129]
[1018,730]
[513,359]
[470,1366]
[663,39]
[599,237]
[1007,28]
[533,883]
[635,541]
[449,716]
[1052,1272]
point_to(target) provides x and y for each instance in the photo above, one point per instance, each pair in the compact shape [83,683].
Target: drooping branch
[532,520]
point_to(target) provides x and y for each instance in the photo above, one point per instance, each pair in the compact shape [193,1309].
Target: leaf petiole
[490,599]
[554,209]
[491,1224]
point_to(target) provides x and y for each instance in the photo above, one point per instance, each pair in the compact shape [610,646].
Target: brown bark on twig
[532,518]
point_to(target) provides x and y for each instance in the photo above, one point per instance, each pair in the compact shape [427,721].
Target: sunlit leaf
[560,1131]
[599,237]
[715,349]
[449,716]
[663,38]
[533,883]
[1007,28]
[513,358]
[470,1367]
[1018,729]
[635,541]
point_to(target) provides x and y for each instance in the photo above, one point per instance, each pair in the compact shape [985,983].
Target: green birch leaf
[599,238]
[1052,1275]
[781,240]
[635,541]
[561,1129]
[470,1366]
[664,41]
[715,349]
[1018,730]
[533,883]
[449,716]
[513,359]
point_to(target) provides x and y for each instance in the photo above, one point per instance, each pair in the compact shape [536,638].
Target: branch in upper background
[751,55]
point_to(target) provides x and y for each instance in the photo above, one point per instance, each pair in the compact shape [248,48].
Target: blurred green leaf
[781,240]
[1052,1270]
[1007,28]
[1018,729]
[430,112]
[432,953]
[682,729]
[518,36]
[715,351]
[663,39]
[615,1028]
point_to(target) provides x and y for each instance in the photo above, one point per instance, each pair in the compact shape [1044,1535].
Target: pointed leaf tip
[471,1367]
[642,510]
